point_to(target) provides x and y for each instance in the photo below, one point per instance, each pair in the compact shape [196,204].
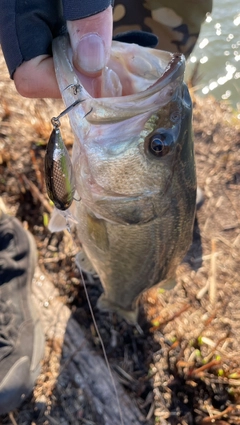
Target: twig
[86,421]
[212,418]
[164,322]
[212,280]
[71,357]
[12,419]
[124,373]
[37,194]
[234,382]
[150,412]
[205,367]
[51,420]
[211,283]
[39,174]
[202,291]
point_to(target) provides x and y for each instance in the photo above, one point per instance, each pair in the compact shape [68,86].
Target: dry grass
[186,367]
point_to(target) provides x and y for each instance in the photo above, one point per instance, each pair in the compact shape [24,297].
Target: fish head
[126,145]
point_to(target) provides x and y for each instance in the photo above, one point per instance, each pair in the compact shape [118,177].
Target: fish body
[134,167]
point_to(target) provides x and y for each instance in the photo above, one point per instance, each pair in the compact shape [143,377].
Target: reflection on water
[218,53]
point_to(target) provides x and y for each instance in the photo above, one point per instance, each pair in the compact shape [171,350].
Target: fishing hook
[76,88]
[56,120]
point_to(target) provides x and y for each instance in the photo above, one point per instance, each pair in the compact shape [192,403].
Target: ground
[185,367]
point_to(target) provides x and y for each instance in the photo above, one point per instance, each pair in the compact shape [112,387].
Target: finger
[91,40]
[36,78]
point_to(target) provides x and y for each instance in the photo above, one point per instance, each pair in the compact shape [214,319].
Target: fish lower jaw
[131,316]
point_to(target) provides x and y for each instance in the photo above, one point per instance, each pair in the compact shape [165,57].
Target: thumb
[91,40]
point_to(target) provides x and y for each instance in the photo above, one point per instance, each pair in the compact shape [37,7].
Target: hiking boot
[21,335]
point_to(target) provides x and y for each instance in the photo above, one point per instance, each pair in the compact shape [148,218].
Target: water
[218,51]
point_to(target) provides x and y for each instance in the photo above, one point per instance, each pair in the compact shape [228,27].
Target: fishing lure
[59,174]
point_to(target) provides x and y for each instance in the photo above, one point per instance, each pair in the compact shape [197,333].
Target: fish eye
[175,116]
[159,143]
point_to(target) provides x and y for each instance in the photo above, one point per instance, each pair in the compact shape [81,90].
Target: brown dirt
[185,368]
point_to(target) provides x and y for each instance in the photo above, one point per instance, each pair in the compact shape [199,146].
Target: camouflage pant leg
[177,23]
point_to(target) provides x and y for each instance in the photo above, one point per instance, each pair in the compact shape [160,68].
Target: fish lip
[173,70]
[172,76]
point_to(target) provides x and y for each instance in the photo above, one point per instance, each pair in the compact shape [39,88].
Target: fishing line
[103,348]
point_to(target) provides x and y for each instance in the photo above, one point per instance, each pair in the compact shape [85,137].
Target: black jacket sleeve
[78,9]
[27,27]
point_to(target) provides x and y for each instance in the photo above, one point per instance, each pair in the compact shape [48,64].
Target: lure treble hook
[56,120]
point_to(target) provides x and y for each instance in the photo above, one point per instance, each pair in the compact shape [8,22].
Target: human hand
[90,38]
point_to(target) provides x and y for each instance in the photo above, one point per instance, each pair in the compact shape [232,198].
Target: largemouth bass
[134,169]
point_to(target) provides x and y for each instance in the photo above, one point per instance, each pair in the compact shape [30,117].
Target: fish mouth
[166,74]
[162,90]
